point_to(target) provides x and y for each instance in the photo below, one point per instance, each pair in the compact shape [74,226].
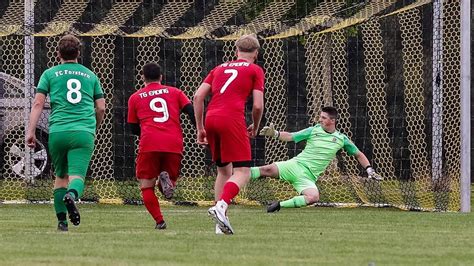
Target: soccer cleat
[62,226]
[218,214]
[74,215]
[218,230]
[161,225]
[273,207]
[166,185]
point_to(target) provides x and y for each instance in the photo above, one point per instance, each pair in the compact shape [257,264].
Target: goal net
[389,67]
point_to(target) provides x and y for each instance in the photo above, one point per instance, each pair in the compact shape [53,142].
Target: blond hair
[247,43]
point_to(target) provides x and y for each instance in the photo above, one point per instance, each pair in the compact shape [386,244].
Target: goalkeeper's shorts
[228,139]
[71,152]
[296,174]
[151,164]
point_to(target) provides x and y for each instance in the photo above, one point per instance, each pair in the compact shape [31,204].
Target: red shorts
[228,139]
[151,164]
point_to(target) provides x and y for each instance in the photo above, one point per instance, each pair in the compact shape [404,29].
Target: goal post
[465,105]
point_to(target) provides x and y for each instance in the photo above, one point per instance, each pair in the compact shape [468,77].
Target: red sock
[229,191]
[151,203]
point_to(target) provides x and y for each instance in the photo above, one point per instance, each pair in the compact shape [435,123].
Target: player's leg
[58,151]
[269,170]
[79,157]
[239,178]
[147,169]
[76,186]
[302,180]
[309,196]
[234,147]
[60,188]
[81,145]
[224,171]
[147,187]
[169,173]
[214,127]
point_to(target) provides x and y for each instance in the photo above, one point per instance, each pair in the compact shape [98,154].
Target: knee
[61,182]
[312,197]
[225,170]
[146,183]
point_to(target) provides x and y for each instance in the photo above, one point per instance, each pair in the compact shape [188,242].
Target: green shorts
[71,152]
[297,175]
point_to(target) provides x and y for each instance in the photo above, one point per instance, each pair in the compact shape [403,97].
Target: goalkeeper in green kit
[77,109]
[323,141]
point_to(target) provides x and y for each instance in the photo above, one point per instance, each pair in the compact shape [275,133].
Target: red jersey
[157,109]
[231,83]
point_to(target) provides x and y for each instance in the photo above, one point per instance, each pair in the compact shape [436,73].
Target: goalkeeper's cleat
[166,185]
[273,207]
[161,225]
[218,214]
[74,215]
[62,226]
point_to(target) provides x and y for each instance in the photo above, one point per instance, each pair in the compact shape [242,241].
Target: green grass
[125,235]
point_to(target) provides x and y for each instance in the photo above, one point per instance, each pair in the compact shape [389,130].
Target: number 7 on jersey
[232,77]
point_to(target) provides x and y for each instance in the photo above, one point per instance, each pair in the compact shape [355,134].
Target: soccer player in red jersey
[225,130]
[154,116]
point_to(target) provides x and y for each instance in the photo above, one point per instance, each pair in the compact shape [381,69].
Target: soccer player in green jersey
[77,109]
[323,141]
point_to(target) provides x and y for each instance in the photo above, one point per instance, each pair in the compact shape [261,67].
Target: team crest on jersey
[334,139]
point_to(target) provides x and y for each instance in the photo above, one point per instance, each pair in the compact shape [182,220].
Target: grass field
[125,235]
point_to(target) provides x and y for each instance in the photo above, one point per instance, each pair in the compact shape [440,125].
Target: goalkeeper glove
[270,131]
[372,174]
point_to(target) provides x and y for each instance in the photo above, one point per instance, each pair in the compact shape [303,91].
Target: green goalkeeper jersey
[321,148]
[73,89]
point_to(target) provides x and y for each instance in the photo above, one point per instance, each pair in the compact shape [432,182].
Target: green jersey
[321,148]
[73,89]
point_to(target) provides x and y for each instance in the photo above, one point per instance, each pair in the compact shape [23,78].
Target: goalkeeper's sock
[151,203]
[254,173]
[229,191]
[295,202]
[59,206]
[76,188]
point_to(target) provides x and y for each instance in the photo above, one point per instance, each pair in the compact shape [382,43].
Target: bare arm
[285,136]
[198,104]
[257,112]
[99,111]
[36,109]
[272,132]
[360,156]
